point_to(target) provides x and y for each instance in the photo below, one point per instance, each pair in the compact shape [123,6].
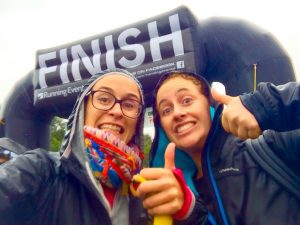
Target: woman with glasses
[87,185]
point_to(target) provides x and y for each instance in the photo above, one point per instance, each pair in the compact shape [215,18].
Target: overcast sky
[29,25]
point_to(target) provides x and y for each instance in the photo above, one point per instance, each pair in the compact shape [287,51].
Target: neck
[197,158]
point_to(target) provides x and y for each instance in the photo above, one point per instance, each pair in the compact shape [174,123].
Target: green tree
[147,146]
[57,132]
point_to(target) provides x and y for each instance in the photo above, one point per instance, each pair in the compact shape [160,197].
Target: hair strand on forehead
[189,76]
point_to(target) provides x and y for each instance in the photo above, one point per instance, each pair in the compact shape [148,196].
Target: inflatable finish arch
[220,49]
[230,48]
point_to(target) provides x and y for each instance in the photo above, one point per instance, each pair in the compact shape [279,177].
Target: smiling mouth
[111,128]
[182,128]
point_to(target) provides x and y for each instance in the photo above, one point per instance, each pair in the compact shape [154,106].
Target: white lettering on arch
[137,48]
[42,59]
[77,54]
[175,37]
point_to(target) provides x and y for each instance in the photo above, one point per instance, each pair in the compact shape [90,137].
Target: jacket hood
[160,142]
[73,142]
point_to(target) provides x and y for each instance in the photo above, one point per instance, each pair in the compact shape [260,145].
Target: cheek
[166,125]
[207,118]
[131,128]
[206,123]
[91,115]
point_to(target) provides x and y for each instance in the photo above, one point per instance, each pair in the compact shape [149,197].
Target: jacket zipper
[211,181]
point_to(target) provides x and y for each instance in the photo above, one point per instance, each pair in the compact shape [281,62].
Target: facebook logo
[180,64]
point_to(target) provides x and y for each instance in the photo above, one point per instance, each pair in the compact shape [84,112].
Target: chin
[190,145]
[185,146]
[127,140]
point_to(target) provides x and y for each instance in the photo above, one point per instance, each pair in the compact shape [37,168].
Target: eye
[130,104]
[187,100]
[166,111]
[103,99]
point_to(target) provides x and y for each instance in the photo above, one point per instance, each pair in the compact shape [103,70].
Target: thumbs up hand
[170,156]
[236,119]
[161,193]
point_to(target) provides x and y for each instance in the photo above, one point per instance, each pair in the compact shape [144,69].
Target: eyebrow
[178,91]
[108,89]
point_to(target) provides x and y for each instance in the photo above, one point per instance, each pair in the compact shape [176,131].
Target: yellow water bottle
[158,219]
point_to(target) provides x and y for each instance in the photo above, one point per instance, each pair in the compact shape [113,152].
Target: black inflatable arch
[221,49]
[23,123]
[231,47]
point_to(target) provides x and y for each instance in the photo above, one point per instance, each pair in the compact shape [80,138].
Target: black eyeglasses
[105,101]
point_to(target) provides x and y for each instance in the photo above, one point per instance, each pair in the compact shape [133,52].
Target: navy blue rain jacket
[253,181]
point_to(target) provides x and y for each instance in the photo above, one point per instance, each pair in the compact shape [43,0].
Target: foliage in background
[57,131]
[147,146]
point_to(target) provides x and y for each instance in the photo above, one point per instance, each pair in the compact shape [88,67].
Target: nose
[116,110]
[179,112]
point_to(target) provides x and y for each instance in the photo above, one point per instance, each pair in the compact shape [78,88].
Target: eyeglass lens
[105,101]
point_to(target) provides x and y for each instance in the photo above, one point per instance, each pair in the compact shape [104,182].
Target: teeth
[184,127]
[111,127]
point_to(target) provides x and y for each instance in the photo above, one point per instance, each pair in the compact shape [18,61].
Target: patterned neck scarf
[113,162]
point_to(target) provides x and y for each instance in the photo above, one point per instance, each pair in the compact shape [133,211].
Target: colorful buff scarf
[113,162]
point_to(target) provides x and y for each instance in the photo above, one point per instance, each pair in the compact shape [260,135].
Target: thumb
[219,94]
[170,156]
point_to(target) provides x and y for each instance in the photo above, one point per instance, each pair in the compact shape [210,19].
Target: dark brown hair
[196,79]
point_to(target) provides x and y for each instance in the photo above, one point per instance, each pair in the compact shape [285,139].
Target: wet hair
[203,88]
[198,80]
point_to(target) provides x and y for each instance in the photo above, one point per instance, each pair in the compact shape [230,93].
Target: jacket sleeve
[22,177]
[199,215]
[286,146]
[275,107]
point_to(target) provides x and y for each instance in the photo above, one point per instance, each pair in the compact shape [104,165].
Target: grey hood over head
[73,148]
[74,158]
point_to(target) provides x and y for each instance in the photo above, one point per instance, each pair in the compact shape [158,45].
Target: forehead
[173,85]
[118,83]
[115,79]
